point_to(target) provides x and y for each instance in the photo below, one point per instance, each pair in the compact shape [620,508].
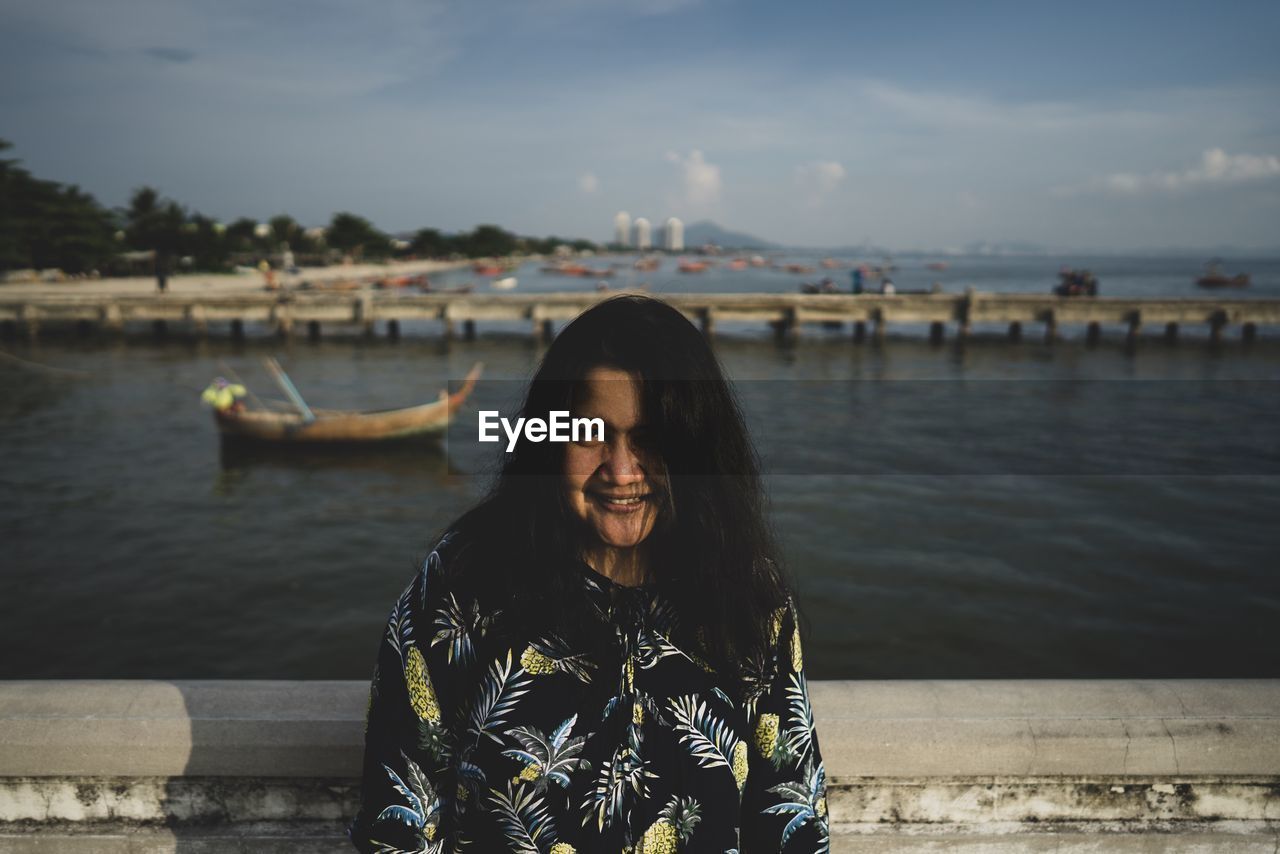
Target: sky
[913,125]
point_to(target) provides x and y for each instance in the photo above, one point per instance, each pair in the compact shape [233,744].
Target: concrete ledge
[1116,765]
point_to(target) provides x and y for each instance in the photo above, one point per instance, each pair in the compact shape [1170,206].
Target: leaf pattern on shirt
[613,735]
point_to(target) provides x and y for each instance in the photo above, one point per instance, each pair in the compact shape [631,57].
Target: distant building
[643,240]
[622,229]
[675,235]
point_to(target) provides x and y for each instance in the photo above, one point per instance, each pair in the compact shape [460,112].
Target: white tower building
[643,240]
[675,235]
[622,229]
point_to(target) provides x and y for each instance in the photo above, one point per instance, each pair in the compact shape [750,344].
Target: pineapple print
[821,809]
[740,764]
[536,663]
[766,735]
[637,714]
[775,630]
[675,824]
[421,695]
[530,773]
[797,657]
[562,848]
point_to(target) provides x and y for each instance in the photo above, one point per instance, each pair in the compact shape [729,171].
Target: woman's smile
[611,485]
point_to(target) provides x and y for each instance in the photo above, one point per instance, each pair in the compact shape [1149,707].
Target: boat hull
[426,422]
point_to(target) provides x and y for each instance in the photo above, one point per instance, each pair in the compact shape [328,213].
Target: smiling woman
[604,653]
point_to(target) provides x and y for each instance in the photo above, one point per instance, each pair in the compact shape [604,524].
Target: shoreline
[193,284]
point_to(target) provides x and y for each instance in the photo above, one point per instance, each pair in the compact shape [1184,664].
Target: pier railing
[990,766]
[866,314]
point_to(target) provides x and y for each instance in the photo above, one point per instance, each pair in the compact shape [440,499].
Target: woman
[603,655]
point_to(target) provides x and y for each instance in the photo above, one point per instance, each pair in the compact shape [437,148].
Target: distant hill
[708,232]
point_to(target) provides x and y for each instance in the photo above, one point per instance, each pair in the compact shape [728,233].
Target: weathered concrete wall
[973,766]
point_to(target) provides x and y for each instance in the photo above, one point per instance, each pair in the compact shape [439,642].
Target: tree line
[44,225]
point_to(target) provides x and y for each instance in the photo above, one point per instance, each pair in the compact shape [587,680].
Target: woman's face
[613,486]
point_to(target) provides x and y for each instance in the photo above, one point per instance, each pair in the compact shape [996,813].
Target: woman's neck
[627,567]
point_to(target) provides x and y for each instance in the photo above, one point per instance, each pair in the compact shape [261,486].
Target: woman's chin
[622,533]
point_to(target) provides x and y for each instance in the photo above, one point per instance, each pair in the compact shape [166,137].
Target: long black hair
[711,550]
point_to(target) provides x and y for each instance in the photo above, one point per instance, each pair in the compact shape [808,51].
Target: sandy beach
[222,283]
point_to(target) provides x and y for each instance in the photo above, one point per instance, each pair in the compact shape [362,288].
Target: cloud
[588,183]
[1216,168]
[169,54]
[819,179]
[701,179]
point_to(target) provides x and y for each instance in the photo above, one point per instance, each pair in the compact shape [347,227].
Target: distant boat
[503,284]
[799,268]
[692,266]
[938,266]
[1214,277]
[334,426]
[648,264]
[759,261]
[490,269]
[830,264]
[1076,283]
[427,288]
[738,264]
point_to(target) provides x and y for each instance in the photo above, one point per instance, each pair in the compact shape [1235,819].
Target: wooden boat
[427,288]
[1240,280]
[1214,277]
[692,266]
[333,426]
[647,264]
[568,270]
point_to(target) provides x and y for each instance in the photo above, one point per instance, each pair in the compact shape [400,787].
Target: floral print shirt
[626,742]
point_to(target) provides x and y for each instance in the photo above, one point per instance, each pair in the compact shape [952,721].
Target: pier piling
[1135,326]
[1216,324]
[1171,333]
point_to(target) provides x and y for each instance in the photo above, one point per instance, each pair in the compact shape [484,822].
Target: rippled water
[992,510]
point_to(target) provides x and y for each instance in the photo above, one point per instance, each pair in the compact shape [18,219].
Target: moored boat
[692,266]
[332,426]
[1214,277]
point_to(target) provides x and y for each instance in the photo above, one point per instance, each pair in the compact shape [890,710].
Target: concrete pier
[785,313]
[972,766]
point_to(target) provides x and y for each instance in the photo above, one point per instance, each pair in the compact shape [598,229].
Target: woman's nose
[621,464]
